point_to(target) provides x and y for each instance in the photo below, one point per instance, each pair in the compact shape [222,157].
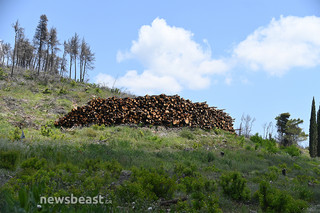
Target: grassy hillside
[138,169]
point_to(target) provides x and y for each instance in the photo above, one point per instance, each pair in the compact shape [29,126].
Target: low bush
[274,200]
[46,131]
[46,91]
[8,159]
[3,74]
[15,135]
[292,150]
[235,186]
[269,145]
[34,163]
[187,134]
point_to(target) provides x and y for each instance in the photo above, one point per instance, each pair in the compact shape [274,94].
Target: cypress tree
[313,141]
[318,124]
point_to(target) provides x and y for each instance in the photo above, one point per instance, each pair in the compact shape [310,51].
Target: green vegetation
[139,169]
[289,131]
[313,140]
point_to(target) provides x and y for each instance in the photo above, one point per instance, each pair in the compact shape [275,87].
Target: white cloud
[284,44]
[146,83]
[172,60]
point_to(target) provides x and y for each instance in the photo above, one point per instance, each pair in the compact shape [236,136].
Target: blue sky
[260,58]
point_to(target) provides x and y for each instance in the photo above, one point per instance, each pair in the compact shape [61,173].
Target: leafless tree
[86,59]
[246,125]
[19,32]
[75,52]
[268,130]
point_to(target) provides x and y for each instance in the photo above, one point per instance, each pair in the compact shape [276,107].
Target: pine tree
[318,129]
[313,131]
[40,37]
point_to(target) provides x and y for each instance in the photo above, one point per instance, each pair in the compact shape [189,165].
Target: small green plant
[90,133]
[8,159]
[7,89]
[234,186]
[97,90]
[269,145]
[73,83]
[62,91]
[210,157]
[274,200]
[187,134]
[46,91]
[28,75]
[3,74]
[15,134]
[115,90]
[46,131]
[34,163]
[99,127]
[291,150]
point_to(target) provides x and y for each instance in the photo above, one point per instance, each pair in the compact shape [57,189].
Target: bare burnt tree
[75,52]
[246,125]
[7,52]
[268,130]
[63,61]
[67,49]
[19,32]
[1,52]
[86,59]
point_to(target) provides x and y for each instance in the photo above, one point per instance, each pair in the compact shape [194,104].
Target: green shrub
[210,157]
[73,83]
[34,163]
[8,159]
[3,74]
[292,150]
[234,186]
[115,90]
[62,91]
[297,167]
[90,133]
[28,75]
[46,91]
[46,131]
[131,192]
[15,134]
[187,169]
[269,145]
[187,134]
[273,173]
[156,183]
[274,200]
[98,127]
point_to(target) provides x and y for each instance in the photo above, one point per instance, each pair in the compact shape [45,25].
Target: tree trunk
[40,54]
[14,52]
[70,66]
[81,62]
[75,68]
[84,70]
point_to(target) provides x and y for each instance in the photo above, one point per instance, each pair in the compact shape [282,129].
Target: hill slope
[138,169]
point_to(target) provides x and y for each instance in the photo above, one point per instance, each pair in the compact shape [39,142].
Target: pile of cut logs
[160,110]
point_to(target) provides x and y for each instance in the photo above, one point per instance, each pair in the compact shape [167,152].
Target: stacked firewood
[162,110]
